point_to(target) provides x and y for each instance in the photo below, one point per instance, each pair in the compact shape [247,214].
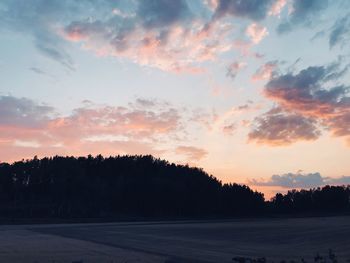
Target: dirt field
[176,242]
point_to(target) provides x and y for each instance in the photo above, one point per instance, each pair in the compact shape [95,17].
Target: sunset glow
[254,92]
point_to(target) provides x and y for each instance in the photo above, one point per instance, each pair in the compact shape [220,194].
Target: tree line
[141,185]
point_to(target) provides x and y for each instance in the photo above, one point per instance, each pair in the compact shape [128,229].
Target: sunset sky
[253,91]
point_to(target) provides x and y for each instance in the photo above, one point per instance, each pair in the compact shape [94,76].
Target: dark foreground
[214,241]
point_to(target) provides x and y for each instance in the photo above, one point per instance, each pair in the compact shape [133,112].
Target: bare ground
[176,242]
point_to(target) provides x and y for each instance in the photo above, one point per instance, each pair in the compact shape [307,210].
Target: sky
[255,92]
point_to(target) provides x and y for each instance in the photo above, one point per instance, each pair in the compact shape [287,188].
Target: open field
[214,241]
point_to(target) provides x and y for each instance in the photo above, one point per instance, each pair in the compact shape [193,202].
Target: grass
[330,257]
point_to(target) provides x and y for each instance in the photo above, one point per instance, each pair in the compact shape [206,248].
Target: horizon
[268,194]
[255,94]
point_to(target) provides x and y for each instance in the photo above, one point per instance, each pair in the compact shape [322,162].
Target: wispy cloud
[340,31]
[191,152]
[38,20]
[302,13]
[266,71]
[234,68]
[229,129]
[37,71]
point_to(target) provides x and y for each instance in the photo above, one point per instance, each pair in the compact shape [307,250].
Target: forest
[143,186]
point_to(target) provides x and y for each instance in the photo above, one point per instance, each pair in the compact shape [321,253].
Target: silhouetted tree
[121,185]
[68,187]
[328,199]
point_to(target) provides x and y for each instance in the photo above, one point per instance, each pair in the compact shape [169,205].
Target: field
[176,242]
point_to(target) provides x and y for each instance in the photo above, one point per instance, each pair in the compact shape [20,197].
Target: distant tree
[328,199]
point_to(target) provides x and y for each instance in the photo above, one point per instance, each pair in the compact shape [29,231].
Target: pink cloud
[277,7]
[141,127]
[177,49]
[256,32]
[89,129]
[266,71]
[132,123]
[212,4]
[174,36]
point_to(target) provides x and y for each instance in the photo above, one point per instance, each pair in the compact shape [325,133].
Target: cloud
[226,121]
[211,4]
[144,126]
[303,13]
[343,180]
[252,9]
[26,144]
[14,152]
[137,124]
[191,152]
[29,127]
[162,13]
[22,112]
[234,68]
[340,31]
[311,91]
[306,100]
[37,71]
[278,128]
[177,45]
[38,20]
[256,32]
[277,7]
[50,46]
[266,71]
[292,180]
[145,102]
[340,124]
[176,36]
[229,129]
[300,180]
